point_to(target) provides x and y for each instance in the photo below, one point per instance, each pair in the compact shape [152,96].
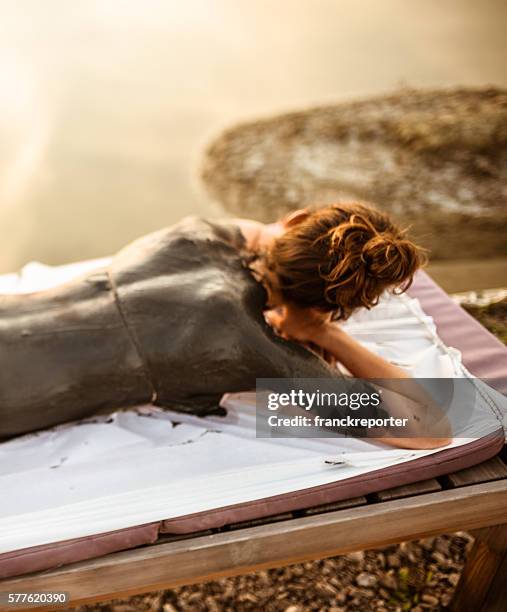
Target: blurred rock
[434,159]
[358,556]
[429,599]
[366,580]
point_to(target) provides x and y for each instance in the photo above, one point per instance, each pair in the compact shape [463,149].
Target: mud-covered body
[176,320]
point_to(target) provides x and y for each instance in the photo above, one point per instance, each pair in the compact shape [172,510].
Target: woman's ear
[295,217]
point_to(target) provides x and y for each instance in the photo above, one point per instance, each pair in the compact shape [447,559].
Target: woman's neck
[269,280]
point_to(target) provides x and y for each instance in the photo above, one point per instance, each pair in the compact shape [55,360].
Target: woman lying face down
[178,318]
[319,267]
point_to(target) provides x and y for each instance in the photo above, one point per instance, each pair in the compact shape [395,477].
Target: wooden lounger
[474,499]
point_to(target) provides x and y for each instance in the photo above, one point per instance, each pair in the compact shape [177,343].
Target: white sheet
[138,466]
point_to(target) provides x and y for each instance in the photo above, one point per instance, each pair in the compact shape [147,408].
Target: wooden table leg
[482,586]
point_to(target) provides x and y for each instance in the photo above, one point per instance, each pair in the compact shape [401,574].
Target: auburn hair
[342,257]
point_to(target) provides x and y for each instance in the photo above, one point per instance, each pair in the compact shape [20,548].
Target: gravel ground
[493,316]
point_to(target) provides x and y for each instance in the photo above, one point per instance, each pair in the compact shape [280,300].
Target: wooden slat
[492,469]
[417,488]
[311,537]
[163,538]
[339,505]
[275,518]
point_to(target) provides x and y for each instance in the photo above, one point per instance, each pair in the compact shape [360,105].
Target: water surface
[106,106]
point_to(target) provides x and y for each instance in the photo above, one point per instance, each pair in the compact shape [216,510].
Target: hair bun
[342,257]
[387,256]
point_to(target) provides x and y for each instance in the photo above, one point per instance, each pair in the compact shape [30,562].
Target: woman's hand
[302,324]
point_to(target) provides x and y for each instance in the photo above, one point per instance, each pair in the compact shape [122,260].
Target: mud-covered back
[196,314]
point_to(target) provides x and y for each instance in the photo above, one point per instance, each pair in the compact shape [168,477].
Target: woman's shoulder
[193,241]
[196,227]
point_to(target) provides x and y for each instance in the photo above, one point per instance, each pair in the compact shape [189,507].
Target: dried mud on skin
[436,160]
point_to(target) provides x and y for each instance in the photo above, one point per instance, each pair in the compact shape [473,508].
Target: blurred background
[106,106]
